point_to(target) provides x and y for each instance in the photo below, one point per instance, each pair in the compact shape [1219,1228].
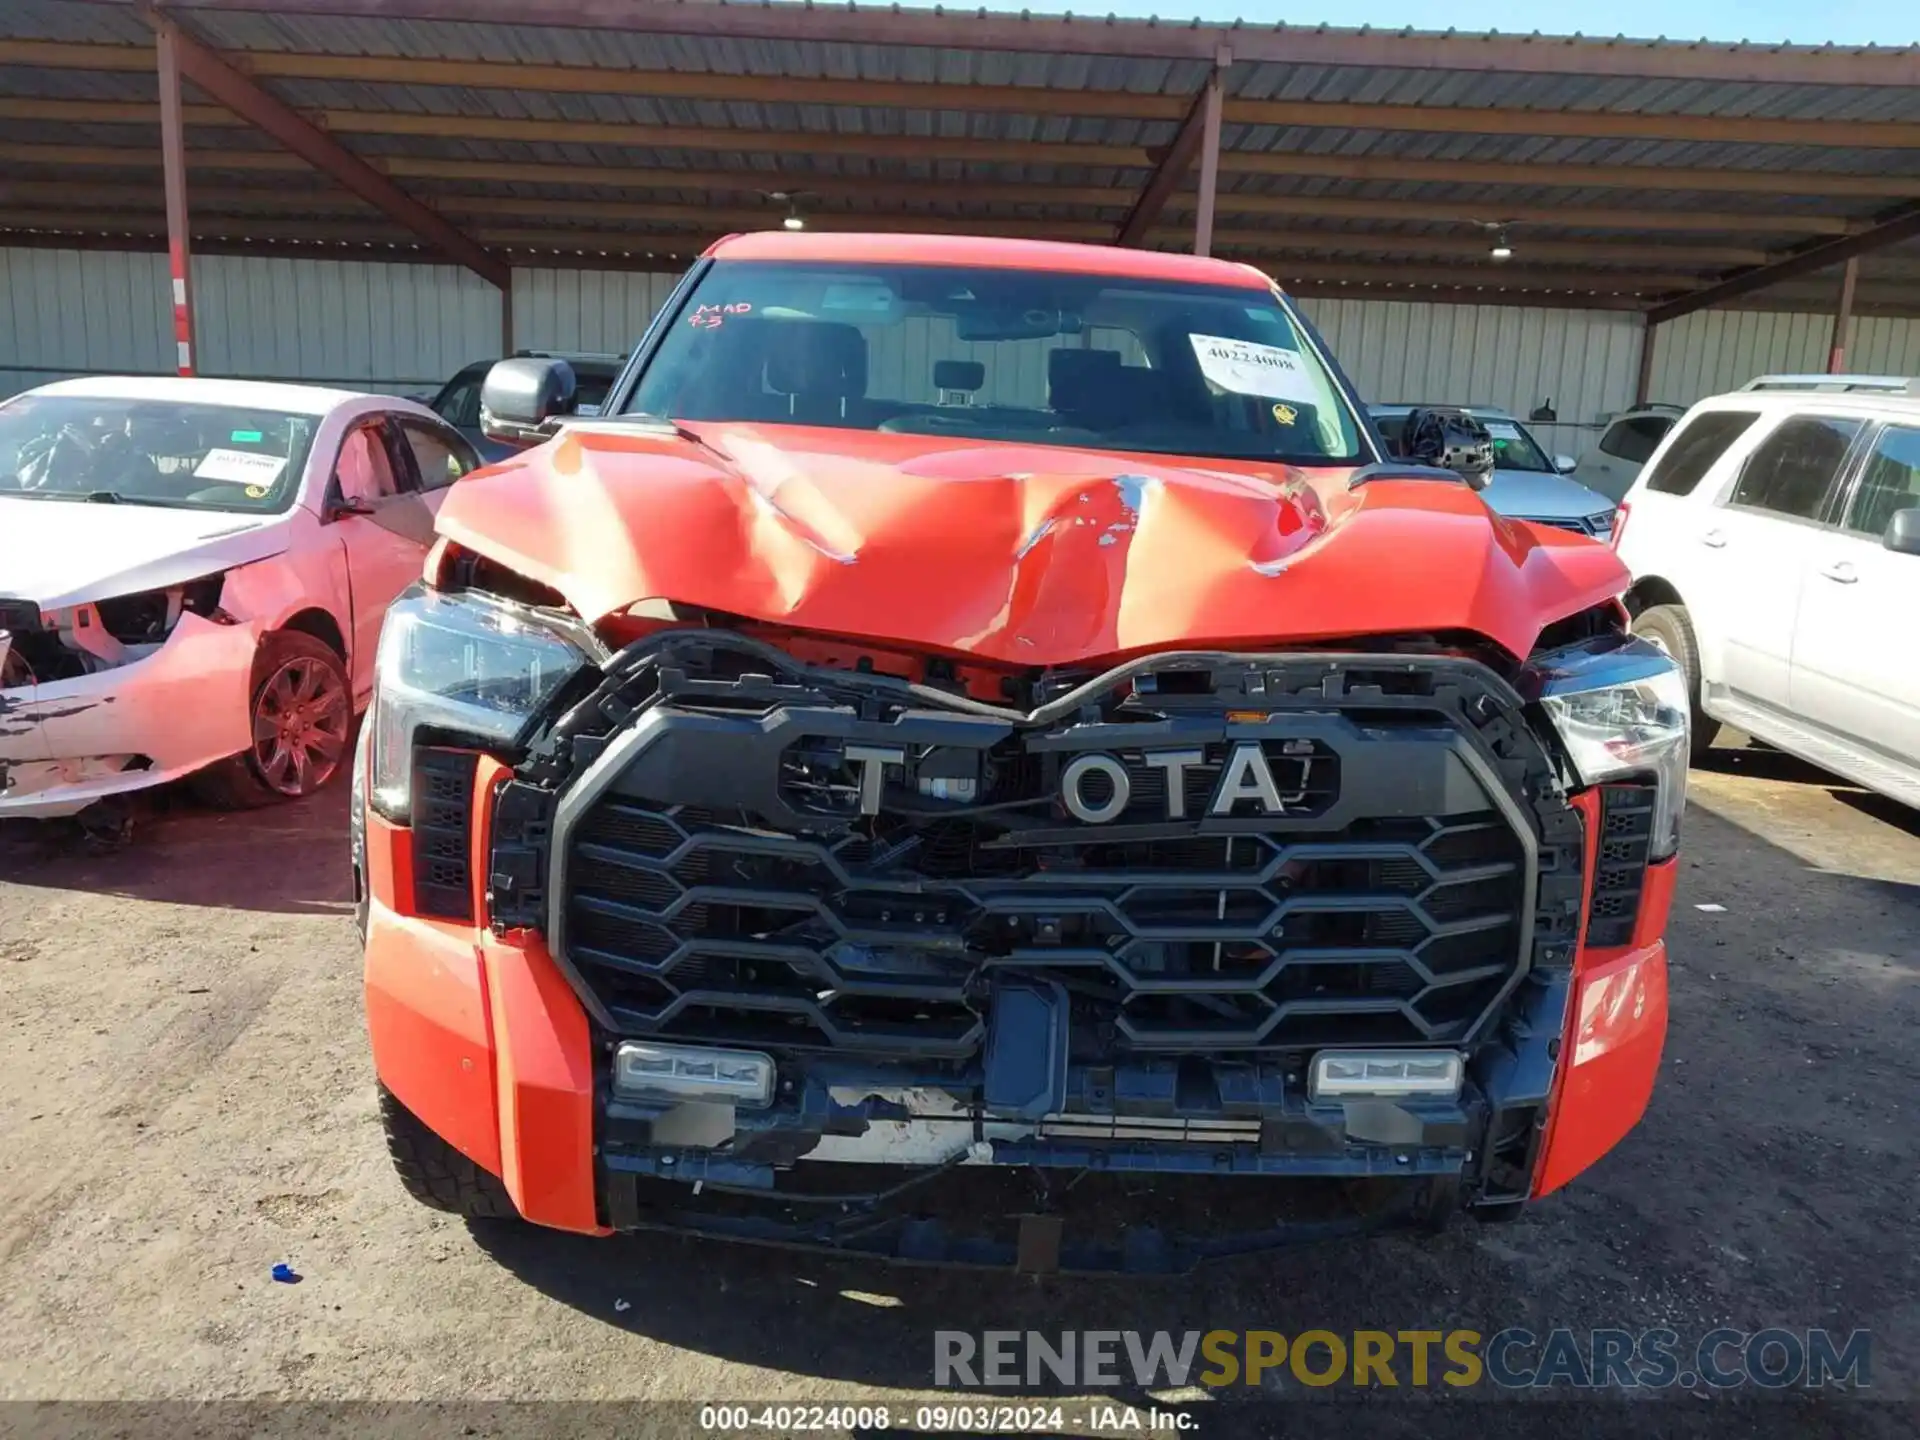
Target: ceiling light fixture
[1502,248]
[791,198]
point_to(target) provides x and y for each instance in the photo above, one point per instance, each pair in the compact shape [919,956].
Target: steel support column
[1209,158]
[1199,131]
[1843,318]
[1644,383]
[173,152]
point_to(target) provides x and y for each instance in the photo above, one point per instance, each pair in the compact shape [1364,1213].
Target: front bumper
[485,1040]
[68,743]
[503,1043]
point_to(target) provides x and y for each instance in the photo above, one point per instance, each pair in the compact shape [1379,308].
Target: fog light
[1339,1073]
[692,1072]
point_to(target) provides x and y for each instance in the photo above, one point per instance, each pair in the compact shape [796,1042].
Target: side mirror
[349,505]
[1565,464]
[1903,531]
[1450,440]
[521,398]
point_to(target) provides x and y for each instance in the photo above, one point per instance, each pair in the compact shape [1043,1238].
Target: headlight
[465,667]
[1622,712]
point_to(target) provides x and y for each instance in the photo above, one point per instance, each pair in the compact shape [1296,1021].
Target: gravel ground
[186,1099]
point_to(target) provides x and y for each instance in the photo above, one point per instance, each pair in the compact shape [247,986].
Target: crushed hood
[69,552]
[1030,555]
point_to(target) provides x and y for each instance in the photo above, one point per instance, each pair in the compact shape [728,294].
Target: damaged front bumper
[1191,1160]
[65,744]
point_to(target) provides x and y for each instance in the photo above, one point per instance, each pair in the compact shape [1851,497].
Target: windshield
[1513,447]
[152,452]
[1094,361]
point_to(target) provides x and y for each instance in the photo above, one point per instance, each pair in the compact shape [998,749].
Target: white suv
[1774,540]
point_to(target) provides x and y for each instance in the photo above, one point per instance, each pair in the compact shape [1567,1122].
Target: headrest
[1075,369]
[958,374]
[814,357]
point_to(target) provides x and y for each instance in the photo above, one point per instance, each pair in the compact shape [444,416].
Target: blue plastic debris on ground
[286,1274]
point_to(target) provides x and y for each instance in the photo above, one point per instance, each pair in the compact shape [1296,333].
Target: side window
[1696,448]
[1891,482]
[439,458]
[459,403]
[1634,440]
[1791,471]
[364,470]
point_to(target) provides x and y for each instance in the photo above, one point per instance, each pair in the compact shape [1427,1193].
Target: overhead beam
[714,219]
[989,99]
[984,30]
[1200,126]
[884,187]
[736,141]
[252,104]
[1892,229]
[1491,278]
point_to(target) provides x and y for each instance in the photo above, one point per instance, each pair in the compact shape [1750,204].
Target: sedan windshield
[113,449]
[1513,447]
[1093,361]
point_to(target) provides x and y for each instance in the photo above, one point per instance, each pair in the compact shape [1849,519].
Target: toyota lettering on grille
[1247,776]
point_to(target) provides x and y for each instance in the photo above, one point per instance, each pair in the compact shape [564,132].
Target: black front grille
[442,833]
[1245,941]
[1620,871]
[1394,896]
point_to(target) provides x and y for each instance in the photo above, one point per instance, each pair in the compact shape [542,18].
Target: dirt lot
[186,1100]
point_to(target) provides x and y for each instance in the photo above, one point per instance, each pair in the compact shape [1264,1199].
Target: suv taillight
[1619,522]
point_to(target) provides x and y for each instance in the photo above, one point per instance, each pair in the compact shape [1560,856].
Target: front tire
[1670,628]
[436,1174]
[300,716]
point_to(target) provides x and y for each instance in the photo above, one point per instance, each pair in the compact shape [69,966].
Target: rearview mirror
[1903,531]
[521,398]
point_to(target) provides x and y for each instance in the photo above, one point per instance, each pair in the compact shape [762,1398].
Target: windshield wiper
[105,497]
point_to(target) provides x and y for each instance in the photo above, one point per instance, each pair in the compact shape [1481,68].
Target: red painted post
[173,150]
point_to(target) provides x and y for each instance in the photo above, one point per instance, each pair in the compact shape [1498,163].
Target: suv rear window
[1703,440]
[1793,469]
[1634,440]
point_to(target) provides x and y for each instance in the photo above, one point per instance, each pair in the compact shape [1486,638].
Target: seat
[821,367]
[1080,388]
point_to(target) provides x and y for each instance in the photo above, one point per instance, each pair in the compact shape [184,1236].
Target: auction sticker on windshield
[1247,368]
[238,467]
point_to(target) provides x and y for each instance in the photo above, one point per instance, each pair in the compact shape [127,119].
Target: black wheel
[301,718]
[1668,628]
[436,1174]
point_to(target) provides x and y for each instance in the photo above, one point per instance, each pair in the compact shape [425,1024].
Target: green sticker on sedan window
[245,437]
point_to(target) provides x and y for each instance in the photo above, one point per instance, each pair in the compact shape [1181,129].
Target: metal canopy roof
[1627,174]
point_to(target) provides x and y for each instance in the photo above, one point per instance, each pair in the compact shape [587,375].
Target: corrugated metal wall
[1711,351]
[1583,362]
[406,327]
[363,324]
[601,310]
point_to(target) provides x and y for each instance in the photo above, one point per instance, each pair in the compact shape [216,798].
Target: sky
[1802,22]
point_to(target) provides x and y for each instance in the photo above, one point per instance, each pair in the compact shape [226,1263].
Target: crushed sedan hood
[68,552]
[1028,555]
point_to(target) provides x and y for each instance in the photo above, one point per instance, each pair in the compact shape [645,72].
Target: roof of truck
[986,252]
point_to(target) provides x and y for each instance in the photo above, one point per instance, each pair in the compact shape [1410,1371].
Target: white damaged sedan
[193,574]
